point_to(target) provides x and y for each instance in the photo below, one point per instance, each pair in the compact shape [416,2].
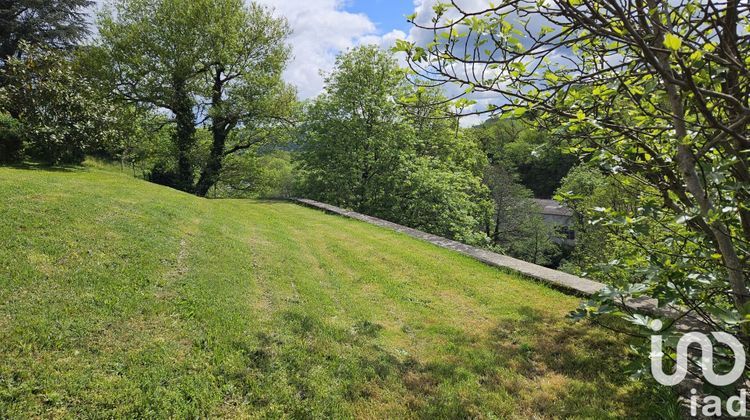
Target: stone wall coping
[565,282]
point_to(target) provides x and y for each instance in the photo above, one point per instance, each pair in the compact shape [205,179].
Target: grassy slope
[119,297]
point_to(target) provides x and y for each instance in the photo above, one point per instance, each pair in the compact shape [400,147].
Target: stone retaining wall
[557,279]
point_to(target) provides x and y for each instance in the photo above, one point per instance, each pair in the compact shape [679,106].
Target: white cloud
[383,41]
[425,14]
[322,29]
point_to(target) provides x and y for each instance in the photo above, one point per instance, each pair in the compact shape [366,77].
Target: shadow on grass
[534,367]
[544,367]
[35,166]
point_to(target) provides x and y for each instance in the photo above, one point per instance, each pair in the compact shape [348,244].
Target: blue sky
[387,15]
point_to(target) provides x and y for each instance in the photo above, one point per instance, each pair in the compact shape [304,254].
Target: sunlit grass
[123,298]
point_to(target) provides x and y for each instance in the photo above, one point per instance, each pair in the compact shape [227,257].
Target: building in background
[560,217]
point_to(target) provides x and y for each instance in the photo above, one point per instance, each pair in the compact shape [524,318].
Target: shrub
[440,200]
[257,175]
[53,147]
[11,139]
[62,113]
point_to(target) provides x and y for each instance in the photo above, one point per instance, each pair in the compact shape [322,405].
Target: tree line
[189,94]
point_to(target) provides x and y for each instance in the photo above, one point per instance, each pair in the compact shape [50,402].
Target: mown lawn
[120,298]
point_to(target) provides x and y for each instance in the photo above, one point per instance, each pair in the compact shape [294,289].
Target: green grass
[120,298]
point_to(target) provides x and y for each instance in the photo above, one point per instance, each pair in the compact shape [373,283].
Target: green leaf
[519,112]
[419,54]
[673,42]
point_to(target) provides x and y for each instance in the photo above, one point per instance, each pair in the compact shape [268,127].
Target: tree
[515,226]
[11,139]
[143,140]
[153,54]
[48,23]
[355,134]
[656,92]
[435,197]
[215,62]
[61,111]
[539,160]
[247,56]
[364,151]
[586,190]
[257,174]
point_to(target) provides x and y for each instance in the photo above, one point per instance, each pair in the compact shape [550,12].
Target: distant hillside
[123,298]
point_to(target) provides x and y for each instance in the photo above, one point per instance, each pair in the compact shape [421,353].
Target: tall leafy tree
[208,62]
[363,151]
[438,132]
[63,114]
[49,23]
[657,92]
[153,56]
[247,56]
[355,133]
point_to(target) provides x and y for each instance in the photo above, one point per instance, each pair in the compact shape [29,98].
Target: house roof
[552,207]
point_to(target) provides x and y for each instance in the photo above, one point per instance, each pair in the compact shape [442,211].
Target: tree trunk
[720,232]
[220,128]
[686,160]
[729,50]
[184,135]
[496,234]
[210,173]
